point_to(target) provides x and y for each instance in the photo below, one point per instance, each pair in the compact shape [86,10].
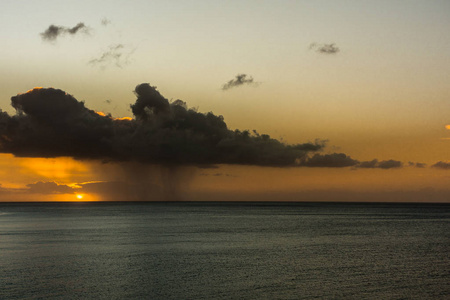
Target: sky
[364,82]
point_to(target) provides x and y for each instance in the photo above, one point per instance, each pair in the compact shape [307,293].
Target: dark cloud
[385,164]
[417,164]
[239,80]
[442,165]
[218,175]
[117,55]
[50,187]
[389,164]
[52,123]
[341,160]
[53,31]
[334,160]
[324,48]
[368,164]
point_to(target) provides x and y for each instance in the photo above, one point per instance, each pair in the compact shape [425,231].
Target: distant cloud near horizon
[324,48]
[334,160]
[49,187]
[417,164]
[442,165]
[53,31]
[341,160]
[113,190]
[239,80]
[385,164]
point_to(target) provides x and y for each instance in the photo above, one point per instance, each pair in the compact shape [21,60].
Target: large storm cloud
[51,123]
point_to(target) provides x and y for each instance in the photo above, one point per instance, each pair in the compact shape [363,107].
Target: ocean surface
[224,251]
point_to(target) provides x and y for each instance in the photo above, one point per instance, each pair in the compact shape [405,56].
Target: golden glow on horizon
[76,198]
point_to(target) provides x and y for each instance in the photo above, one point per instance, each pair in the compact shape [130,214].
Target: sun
[79,196]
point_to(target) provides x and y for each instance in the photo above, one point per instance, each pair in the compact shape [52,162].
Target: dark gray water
[225,251]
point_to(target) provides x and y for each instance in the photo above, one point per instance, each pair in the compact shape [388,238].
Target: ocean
[224,251]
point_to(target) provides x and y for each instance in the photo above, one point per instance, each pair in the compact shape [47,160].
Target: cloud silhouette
[52,123]
[442,165]
[239,80]
[53,31]
[324,48]
[385,164]
[417,164]
[334,160]
[341,160]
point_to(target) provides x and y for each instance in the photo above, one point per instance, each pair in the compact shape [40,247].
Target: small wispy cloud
[117,55]
[105,22]
[239,80]
[53,31]
[324,48]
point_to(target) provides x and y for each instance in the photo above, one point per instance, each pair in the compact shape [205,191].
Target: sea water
[224,251]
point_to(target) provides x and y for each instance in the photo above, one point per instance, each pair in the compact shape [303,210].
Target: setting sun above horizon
[79,196]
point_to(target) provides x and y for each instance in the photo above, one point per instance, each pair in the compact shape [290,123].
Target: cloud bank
[52,123]
[53,31]
[341,160]
[442,165]
[385,164]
